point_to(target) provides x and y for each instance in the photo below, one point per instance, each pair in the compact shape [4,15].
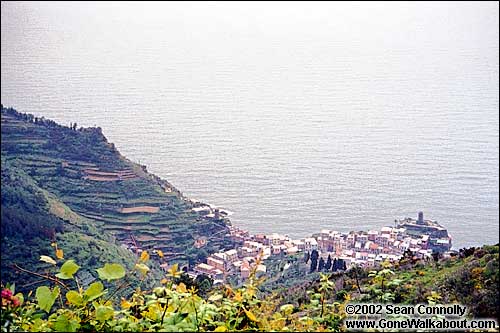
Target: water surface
[296,117]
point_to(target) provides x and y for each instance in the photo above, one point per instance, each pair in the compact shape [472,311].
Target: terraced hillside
[93,181]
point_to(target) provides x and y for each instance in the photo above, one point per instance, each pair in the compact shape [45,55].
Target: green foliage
[111,272]
[94,291]
[381,282]
[65,323]
[178,306]
[46,297]
[47,197]
[104,313]
[28,227]
[470,278]
[24,208]
[74,297]
[67,270]
[170,307]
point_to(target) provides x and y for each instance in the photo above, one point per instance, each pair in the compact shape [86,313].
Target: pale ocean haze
[295,116]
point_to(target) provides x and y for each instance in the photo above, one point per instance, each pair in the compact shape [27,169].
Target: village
[361,248]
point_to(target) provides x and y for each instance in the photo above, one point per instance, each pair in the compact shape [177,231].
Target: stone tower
[420,218]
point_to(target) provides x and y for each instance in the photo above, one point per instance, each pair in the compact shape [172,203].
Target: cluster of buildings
[241,262]
[362,248]
[366,249]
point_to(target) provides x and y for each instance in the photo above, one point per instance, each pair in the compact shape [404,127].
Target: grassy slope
[471,278]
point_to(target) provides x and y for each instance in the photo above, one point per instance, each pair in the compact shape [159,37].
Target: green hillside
[470,277]
[71,186]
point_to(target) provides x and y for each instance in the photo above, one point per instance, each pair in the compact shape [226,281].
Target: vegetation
[177,303]
[64,305]
[69,185]
[471,278]
[70,201]
[29,228]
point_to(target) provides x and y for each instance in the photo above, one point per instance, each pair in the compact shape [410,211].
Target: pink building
[218,264]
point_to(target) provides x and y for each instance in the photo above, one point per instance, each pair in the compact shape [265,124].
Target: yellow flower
[181,288]
[125,304]
[173,271]
[238,297]
[59,254]
[144,256]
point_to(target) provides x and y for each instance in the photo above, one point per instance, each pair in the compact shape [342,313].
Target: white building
[310,244]
[231,255]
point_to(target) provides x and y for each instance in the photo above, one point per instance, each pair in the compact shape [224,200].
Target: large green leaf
[74,297]
[94,291]
[103,313]
[111,272]
[65,324]
[67,270]
[46,298]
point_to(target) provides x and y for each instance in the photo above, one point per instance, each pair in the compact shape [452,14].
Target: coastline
[325,240]
[420,239]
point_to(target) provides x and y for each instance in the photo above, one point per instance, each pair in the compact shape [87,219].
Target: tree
[334,265]
[203,283]
[321,264]
[307,256]
[186,279]
[328,264]
[314,255]
[355,271]
[314,260]
[314,265]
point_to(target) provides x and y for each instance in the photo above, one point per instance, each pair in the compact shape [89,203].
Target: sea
[296,117]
